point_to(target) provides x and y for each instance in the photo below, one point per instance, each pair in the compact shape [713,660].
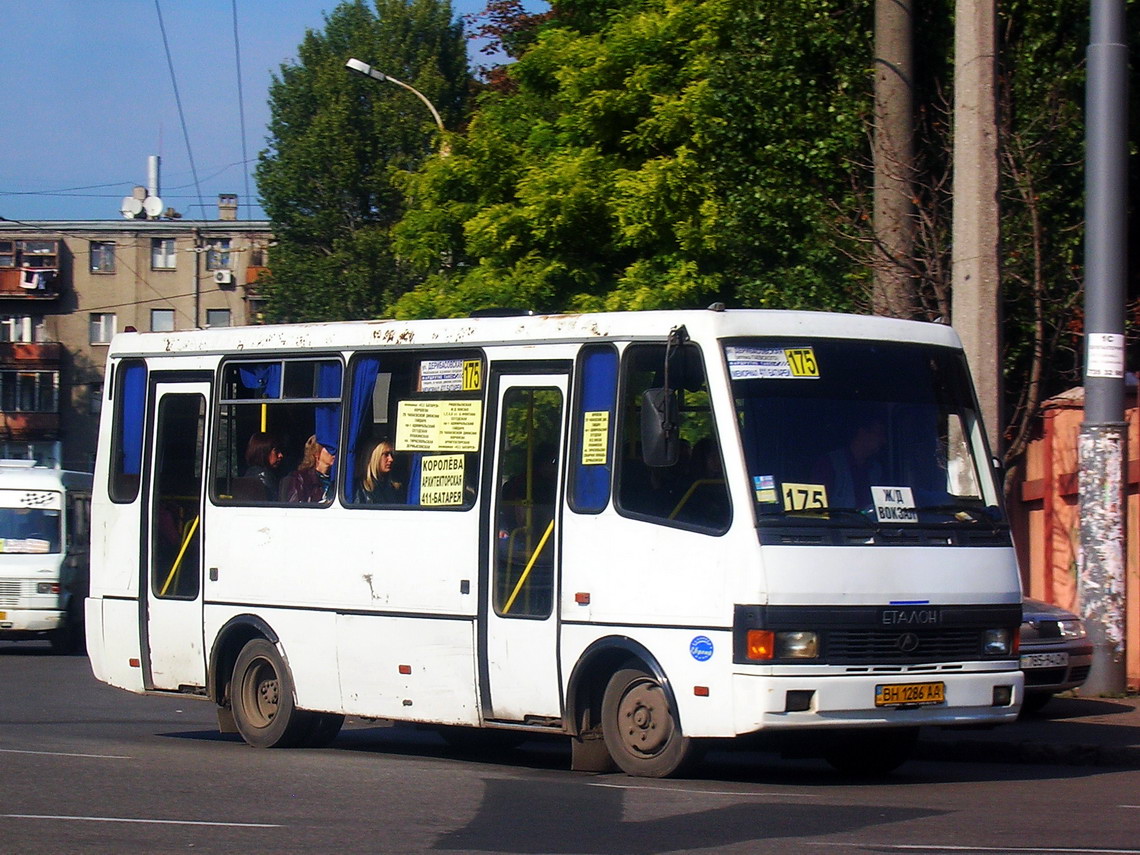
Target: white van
[44,545]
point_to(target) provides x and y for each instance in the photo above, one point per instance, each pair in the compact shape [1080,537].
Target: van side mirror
[660,442]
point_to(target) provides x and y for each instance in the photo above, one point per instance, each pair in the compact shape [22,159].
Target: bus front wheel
[640,727]
[261,693]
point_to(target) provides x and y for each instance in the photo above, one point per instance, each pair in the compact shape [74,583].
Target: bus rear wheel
[640,727]
[261,693]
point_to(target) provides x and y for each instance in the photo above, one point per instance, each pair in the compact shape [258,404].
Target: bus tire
[69,638]
[261,695]
[322,730]
[640,727]
[871,753]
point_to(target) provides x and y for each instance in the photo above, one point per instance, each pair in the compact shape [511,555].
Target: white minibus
[43,553]
[640,530]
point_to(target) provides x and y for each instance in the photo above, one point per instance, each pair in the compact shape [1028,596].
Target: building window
[102,256]
[218,254]
[22,328]
[102,327]
[29,391]
[162,255]
[162,320]
[217,317]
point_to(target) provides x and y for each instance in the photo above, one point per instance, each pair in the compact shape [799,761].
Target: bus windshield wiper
[864,515]
[962,512]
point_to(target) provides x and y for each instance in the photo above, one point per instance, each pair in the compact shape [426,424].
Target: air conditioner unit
[223,277]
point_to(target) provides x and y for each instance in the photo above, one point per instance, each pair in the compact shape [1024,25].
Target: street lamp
[368,71]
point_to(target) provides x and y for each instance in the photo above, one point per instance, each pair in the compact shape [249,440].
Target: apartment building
[66,287]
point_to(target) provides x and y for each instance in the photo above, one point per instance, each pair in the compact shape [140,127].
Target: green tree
[1041,97]
[338,144]
[653,154]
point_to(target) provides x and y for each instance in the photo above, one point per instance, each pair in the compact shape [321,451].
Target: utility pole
[975,269]
[1103,437]
[894,292]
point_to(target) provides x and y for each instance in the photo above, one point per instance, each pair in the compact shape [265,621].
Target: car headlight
[1071,628]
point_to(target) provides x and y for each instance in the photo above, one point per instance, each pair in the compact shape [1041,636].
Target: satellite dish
[131,207]
[153,207]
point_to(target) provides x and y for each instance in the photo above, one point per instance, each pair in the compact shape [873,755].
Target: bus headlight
[797,645]
[47,587]
[997,642]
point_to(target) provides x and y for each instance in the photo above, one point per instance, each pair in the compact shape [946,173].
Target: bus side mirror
[660,443]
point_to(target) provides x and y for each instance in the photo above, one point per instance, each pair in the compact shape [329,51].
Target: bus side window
[276,403]
[691,492]
[418,414]
[593,452]
[127,439]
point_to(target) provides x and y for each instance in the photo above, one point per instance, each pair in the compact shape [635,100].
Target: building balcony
[31,355]
[29,283]
[28,427]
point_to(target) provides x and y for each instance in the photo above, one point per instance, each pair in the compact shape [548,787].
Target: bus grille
[868,645]
[10,590]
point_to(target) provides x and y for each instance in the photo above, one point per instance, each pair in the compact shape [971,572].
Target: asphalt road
[89,769]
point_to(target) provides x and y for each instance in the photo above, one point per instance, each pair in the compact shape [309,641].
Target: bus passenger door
[519,666]
[173,565]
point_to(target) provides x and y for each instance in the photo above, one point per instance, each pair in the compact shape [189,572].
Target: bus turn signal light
[761,643]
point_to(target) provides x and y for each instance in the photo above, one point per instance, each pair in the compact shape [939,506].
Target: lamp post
[368,71]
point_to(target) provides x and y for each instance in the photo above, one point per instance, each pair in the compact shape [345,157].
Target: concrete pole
[1103,438]
[975,273]
[894,290]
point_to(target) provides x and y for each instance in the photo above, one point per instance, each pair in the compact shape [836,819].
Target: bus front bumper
[19,622]
[879,700]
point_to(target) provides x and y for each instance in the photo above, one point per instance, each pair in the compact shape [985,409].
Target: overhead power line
[178,102]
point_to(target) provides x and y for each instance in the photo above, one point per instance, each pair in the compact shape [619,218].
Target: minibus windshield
[846,432]
[29,529]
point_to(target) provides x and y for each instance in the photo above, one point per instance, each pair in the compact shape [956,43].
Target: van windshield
[29,521]
[845,432]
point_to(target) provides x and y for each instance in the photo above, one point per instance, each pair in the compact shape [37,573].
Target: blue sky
[88,97]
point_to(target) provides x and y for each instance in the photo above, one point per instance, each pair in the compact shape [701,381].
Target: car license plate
[1029,661]
[898,694]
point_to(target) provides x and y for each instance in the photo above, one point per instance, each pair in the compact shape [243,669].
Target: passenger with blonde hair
[377,486]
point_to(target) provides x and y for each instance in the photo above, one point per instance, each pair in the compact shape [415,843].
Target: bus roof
[702,324]
[20,475]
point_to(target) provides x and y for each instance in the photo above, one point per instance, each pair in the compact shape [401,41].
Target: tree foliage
[1041,94]
[652,154]
[338,144]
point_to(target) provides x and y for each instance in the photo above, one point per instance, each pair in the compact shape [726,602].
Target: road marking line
[66,754]
[704,792]
[141,821]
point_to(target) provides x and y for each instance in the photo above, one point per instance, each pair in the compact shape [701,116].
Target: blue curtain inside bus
[133,414]
[265,379]
[599,385]
[364,376]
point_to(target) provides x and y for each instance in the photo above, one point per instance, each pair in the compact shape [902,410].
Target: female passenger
[311,481]
[377,486]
